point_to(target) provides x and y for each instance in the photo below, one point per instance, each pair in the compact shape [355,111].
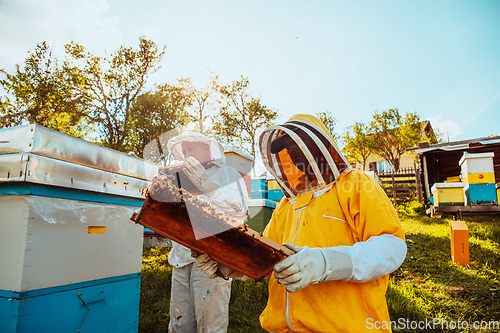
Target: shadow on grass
[429,257]
[429,285]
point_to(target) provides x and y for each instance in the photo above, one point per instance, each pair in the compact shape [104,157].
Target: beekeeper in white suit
[199,303]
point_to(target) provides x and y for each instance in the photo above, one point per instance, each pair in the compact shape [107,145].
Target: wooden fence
[402,185]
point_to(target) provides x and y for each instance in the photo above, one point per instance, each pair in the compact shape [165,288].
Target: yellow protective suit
[349,210]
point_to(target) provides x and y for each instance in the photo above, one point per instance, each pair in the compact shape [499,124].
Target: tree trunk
[395,164]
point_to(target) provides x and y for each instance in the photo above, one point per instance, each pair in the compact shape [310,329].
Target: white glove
[199,176]
[207,265]
[213,269]
[312,265]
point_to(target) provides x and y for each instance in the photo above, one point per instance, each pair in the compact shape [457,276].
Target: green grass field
[428,286]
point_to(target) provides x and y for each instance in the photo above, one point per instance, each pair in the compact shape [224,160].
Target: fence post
[394,187]
[417,183]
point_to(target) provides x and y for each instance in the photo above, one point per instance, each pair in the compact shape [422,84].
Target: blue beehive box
[258,195]
[275,195]
[480,194]
[259,184]
[70,257]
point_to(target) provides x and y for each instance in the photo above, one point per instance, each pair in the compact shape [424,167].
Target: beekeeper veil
[302,155]
[174,146]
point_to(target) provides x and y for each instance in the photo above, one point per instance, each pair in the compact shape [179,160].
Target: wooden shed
[440,162]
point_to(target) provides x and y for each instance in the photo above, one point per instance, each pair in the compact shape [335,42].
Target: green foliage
[153,116]
[330,122]
[412,208]
[392,133]
[111,84]
[202,103]
[44,93]
[358,142]
[241,117]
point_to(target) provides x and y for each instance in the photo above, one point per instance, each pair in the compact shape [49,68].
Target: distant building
[378,164]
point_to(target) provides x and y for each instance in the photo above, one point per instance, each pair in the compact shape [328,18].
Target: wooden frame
[165,211]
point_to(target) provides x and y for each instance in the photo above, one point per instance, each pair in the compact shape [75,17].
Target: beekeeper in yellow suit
[199,303]
[343,228]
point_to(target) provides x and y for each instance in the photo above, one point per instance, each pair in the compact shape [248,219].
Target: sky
[440,59]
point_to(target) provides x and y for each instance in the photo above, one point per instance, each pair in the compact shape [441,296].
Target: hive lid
[467,156]
[446,185]
[38,169]
[43,141]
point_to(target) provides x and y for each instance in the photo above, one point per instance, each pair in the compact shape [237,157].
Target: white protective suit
[198,303]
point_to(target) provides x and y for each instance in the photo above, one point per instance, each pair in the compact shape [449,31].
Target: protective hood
[324,161]
[174,146]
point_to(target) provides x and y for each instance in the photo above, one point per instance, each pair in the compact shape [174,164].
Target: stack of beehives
[70,257]
[478,176]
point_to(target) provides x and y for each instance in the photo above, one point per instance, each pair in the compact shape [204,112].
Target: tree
[153,116]
[329,121]
[201,102]
[359,143]
[393,133]
[111,85]
[242,117]
[41,92]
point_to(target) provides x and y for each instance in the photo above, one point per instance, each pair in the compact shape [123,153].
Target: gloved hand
[312,265]
[199,176]
[213,269]
[207,265]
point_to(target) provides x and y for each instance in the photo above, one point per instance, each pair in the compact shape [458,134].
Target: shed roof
[457,145]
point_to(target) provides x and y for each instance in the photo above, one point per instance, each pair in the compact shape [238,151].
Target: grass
[428,286]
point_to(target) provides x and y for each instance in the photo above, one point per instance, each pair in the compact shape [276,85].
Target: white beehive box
[47,242]
[67,237]
[476,163]
[242,162]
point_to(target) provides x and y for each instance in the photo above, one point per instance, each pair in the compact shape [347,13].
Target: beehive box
[448,194]
[479,178]
[259,184]
[242,162]
[272,184]
[275,195]
[70,256]
[258,195]
[459,242]
[476,163]
[260,212]
[498,192]
[480,194]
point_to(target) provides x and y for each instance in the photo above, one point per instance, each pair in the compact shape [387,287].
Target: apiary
[70,256]
[448,194]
